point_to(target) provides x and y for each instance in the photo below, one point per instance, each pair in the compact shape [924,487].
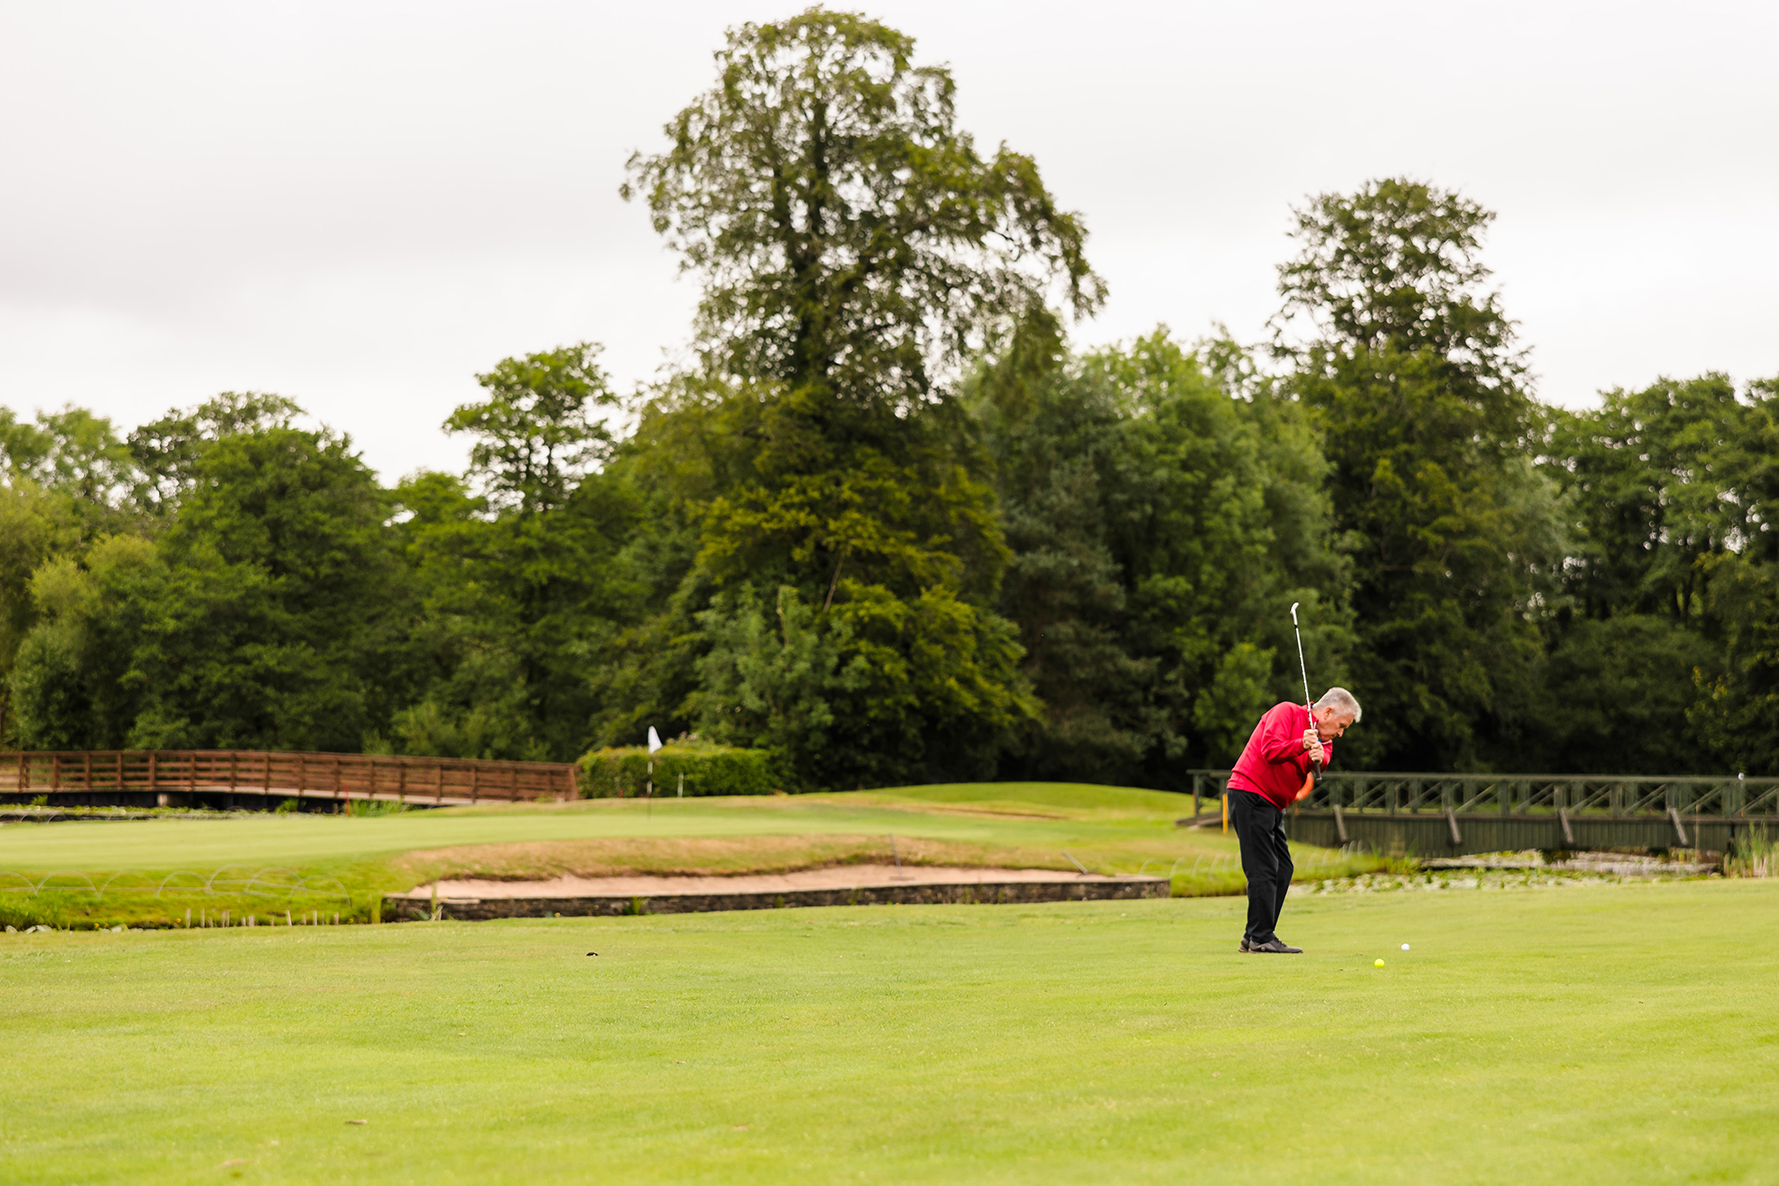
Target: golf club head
[1294,606]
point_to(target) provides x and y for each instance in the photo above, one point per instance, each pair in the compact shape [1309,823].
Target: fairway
[1601,1034]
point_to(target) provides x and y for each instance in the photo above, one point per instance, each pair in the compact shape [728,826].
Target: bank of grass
[1599,1035]
[1018,825]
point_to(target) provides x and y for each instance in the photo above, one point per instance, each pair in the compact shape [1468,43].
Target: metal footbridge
[1461,814]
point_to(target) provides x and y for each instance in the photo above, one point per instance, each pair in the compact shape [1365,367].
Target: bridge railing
[1528,794]
[302,775]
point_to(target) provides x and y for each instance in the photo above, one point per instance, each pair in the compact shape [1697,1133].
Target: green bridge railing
[1528,795]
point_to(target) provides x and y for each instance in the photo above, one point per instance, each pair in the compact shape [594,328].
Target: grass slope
[1024,825]
[1053,814]
[1607,1034]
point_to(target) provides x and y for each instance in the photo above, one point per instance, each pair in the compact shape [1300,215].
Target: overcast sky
[360,205]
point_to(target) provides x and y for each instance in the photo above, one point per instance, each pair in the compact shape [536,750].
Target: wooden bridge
[1460,814]
[168,778]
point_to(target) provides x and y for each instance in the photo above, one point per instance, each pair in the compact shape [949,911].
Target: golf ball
[1405,947]
[1379,964]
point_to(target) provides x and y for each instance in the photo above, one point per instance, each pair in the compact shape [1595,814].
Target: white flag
[654,740]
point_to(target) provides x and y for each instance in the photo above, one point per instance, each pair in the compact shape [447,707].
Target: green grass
[1606,1034]
[1088,815]
[1025,825]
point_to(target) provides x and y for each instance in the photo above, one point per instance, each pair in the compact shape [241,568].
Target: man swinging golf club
[1274,771]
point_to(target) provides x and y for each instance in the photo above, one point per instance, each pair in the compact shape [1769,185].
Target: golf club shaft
[1308,704]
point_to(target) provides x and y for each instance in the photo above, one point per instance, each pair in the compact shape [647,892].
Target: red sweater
[1274,763]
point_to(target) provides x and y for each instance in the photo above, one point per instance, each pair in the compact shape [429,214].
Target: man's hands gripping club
[1328,723]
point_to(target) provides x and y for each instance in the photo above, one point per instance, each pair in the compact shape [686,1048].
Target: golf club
[1307,702]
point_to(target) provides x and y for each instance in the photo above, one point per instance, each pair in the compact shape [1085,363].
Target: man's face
[1331,722]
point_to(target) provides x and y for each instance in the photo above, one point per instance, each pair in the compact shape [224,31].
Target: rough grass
[1059,799]
[1015,825]
[707,856]
[1606,1034]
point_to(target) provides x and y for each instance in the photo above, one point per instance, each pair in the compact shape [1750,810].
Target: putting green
[1041,814]
[1599,1034]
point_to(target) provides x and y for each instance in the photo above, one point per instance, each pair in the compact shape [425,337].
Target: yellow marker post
[1226,812]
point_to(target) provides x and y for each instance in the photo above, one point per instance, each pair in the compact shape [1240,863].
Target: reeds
[1756,855]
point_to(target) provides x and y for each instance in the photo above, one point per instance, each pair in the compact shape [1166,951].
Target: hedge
[708,769]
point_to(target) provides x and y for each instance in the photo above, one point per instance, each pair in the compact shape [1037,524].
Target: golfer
[1273,773]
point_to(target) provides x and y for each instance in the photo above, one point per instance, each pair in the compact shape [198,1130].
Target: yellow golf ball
[1379,964]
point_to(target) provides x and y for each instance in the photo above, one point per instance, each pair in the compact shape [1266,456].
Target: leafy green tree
[516,615]
[770,678]
[522,586]
[1725,492]
[851,240]
[1616,696]
[1164,510]
[1660,480]
[1064,468]
[1671,491]
[64,478]
[166,451]
[537,432]
[281,606]
[23,446]
[77,457]
[854,248]
[70,680]
[1395,268]
[1420,394]
[814,690]
[72,451]
[1735,712]
[34,526]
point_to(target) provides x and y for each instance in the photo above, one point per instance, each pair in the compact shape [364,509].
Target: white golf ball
[1405,947]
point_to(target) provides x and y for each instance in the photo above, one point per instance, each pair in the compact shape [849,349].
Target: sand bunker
[836,877]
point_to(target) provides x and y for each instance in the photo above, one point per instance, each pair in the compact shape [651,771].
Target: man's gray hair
[1342,701]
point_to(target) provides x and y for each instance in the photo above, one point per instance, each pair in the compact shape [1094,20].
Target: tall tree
[78,458]
[517,614]
[854,248]
[166,450]
[72,678]
[1660,480]
[1677,486]
[521,584]
[65,480]
[1654,646]
[1421,394]
[266,616]
[1164,507]
[35,525]
[852,241]
[538,431]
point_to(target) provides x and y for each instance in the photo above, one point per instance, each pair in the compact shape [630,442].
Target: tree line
[889,524]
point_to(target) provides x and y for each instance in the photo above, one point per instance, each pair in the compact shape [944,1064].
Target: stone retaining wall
[406,908]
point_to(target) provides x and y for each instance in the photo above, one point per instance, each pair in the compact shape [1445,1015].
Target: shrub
[374,807]
[708,770]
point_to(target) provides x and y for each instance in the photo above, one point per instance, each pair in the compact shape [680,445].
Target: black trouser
[1266,860]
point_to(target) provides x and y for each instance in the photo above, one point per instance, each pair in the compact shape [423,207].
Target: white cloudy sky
[361,204]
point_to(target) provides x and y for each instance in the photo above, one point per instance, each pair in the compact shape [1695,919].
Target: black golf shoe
[1246,946]
[1276,946]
